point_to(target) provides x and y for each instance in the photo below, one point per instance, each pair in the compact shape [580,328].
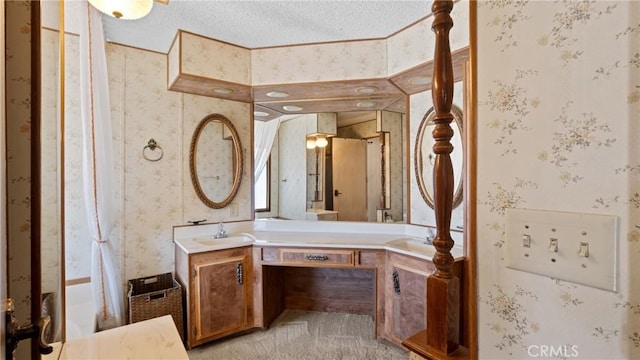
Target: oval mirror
[215,161]
[425,157]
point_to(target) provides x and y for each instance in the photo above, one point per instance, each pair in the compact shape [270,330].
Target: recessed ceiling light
[366,104]
[260,113]
[278,94]
[366,89]
[222,91]
[420,80]
[292,108]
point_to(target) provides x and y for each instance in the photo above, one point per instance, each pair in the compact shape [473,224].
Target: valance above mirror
[215,161]
[425,157]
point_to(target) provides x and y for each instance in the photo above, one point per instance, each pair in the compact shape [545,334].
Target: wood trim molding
[470,189]
[78,281]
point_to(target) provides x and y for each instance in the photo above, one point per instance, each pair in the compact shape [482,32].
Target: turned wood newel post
[443,288]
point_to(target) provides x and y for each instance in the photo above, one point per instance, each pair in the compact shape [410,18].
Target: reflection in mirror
[425,157]
[215,161]
[315,171]
[52,95]
[358,176]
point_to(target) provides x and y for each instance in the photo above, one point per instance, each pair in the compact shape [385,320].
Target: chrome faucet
[430,236]
[221,232]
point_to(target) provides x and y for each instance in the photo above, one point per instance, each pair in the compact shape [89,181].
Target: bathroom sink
[413,246]
[233,240]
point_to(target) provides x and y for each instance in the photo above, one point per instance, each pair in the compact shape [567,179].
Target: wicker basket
[156,296]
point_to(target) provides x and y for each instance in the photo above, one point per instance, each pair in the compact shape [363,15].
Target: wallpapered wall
[50,195]
[558,106]
[18,132]
[151,196]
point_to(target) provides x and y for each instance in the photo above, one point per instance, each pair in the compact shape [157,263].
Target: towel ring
[152,145]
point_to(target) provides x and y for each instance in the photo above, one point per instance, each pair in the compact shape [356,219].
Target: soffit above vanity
[321,77]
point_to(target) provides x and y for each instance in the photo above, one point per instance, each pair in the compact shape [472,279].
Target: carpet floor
[305,335]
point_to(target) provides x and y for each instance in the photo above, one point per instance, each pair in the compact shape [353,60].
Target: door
[221,294]
[349,163]
[292,167]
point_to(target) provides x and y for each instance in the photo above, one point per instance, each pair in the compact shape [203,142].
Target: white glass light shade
[311,144]
[321,142]
[124,9]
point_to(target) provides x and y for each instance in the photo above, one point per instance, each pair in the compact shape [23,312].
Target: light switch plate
[567,230]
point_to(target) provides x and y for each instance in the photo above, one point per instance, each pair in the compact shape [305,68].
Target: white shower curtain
[98,170]
[264,132]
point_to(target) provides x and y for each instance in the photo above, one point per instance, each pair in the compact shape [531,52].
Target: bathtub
[80,311]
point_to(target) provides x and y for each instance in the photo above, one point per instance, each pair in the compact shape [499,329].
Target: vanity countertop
[400,243]
[156,338]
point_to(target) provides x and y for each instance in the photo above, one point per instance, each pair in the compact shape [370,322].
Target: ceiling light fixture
[365,104]
[366,89]
[292,108]
[222,91]
[278,94]
[260,113]
[321,141]
[124,9]
[311,144]
[420,80]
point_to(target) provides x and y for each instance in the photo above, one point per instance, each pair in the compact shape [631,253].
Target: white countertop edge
[333,240]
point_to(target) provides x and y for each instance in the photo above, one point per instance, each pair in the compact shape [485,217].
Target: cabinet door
[409,302]
[220,296]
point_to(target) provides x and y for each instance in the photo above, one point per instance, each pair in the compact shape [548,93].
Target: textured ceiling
[256,24]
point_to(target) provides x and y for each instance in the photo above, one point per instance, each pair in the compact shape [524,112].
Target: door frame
[3,184]
[36,271]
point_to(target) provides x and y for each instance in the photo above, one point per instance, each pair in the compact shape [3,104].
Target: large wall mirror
[52,98]
[354,174]
[424,156]
[215,161]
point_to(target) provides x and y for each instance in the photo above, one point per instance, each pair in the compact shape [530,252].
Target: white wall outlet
[580,248]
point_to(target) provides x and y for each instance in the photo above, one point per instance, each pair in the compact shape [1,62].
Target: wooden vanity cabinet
[218,289]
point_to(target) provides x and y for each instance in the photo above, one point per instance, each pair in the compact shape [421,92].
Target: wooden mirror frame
[238,162]
[426,121]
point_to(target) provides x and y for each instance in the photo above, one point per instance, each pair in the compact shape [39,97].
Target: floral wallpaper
[49,139]
[319,62]
[77,243]
[18,136]
[214,59]
[411,46]
[558,106]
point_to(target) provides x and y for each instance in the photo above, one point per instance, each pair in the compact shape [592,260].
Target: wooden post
[443,288]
